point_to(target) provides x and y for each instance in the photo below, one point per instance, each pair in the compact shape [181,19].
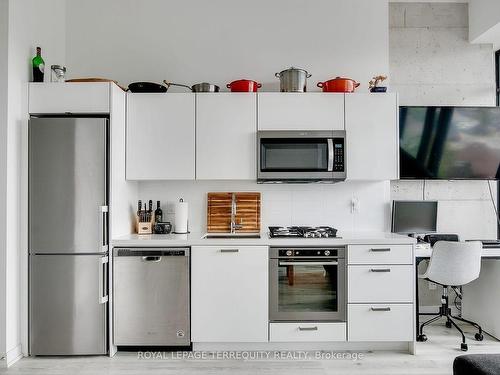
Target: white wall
[4,14]
[31,23]
[190,41]
[431,59]
[312,204]
[446,69]
[484,21]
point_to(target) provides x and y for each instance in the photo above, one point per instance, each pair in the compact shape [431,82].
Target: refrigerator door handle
[103,280]
[103,228]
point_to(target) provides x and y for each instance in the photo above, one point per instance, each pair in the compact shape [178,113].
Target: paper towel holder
[181,200]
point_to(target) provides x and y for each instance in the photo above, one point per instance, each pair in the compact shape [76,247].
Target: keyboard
[491,244]
[422,246]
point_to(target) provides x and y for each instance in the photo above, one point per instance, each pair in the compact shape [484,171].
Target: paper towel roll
[181,217]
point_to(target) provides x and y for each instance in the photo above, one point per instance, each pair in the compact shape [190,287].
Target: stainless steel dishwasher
[151,297]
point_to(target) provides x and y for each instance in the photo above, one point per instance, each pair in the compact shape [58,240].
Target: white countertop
[196,239]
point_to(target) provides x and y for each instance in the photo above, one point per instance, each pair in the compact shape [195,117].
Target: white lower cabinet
[229,293]
[307,332]
[380,293]
[380,322]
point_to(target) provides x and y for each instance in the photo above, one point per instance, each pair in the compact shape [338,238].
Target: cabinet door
[91,97]
[301,111]
[226,127]
[372,136]
[160,137]
[229,294]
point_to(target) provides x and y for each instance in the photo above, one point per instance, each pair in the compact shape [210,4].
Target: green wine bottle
[38,66]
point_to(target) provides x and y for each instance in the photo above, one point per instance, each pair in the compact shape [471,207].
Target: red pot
[243,85]
[339,85]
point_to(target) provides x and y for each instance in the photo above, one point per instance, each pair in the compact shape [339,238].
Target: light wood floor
[434,357]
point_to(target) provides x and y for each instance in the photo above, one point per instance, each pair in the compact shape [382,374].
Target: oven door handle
[330,154]
[332,263]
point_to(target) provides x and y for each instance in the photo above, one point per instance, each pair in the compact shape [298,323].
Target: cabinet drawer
[380,254]
[380,322]
[311,332]
[69,97]
[380,283]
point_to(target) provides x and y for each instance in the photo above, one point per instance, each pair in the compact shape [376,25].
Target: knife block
[144,227]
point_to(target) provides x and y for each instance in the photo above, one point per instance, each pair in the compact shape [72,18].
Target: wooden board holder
[247,212]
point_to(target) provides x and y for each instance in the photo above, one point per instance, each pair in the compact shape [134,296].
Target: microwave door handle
[330,154]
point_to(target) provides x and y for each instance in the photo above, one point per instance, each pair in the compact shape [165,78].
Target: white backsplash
[310,204]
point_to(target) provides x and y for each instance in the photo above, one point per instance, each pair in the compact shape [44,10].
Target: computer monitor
[412,217]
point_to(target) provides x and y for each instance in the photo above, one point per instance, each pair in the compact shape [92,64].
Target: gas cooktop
[303,232]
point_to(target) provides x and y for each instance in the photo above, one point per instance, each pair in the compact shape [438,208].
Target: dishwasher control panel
[137,252]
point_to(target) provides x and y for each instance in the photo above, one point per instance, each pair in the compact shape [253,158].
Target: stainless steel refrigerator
[68,235]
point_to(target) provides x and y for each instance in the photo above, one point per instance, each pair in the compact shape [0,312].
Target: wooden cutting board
[219,212]
[95,79]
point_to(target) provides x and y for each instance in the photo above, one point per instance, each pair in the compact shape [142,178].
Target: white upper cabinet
[301,111]
[226,125]
[160,136]
[372,136]
[55,98]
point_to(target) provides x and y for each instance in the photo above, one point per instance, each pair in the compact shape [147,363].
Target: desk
[476,293]
[423,253]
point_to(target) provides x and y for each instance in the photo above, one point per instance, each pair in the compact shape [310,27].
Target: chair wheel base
[479,337]
[422,338]
[463,347]
[448,324]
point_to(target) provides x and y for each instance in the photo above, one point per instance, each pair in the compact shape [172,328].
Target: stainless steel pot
[293,80]
[199,87]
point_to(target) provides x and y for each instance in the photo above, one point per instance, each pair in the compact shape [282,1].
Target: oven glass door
[307,290]
[295,154]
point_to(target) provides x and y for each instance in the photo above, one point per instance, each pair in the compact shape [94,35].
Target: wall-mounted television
[449,143]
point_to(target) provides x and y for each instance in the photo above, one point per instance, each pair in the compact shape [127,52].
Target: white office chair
[453,264]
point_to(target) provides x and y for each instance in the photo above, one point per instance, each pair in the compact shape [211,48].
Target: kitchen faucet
[234,226]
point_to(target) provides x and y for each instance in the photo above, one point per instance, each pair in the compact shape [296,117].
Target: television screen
[449,142]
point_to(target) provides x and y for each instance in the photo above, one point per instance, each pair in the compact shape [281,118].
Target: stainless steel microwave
[301,156]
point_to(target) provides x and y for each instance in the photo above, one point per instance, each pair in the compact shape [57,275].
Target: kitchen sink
[231,235]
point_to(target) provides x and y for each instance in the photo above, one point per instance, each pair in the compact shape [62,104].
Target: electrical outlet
[432,286]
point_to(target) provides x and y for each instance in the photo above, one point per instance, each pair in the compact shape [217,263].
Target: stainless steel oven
[307,284]
[301,156]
